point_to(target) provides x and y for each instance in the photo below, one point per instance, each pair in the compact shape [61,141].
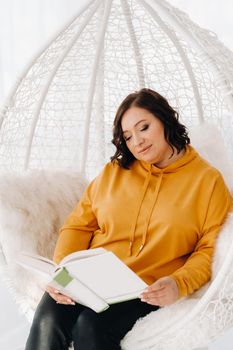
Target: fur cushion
[208,141]
[33,206]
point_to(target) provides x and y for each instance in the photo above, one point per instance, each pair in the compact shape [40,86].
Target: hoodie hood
[189,155]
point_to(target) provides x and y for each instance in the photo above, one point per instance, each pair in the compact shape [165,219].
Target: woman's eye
[127,138]
[145,127]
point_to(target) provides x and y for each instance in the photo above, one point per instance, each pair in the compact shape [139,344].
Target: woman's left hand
[162,292]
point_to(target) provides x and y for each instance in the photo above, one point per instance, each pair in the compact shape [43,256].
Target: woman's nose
[137,140]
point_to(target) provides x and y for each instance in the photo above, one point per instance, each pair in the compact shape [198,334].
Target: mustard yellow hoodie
[160,222]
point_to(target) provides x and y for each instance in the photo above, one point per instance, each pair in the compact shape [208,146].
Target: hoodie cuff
[183,287]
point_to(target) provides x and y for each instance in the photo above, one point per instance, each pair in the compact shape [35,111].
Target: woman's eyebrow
[142,120]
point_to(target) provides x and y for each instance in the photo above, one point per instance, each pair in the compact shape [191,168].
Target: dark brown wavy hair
[175,133]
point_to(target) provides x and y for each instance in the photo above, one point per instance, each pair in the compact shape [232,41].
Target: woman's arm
[197,269]
[77,231]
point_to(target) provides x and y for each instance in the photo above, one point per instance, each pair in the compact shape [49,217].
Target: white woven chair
[59,116]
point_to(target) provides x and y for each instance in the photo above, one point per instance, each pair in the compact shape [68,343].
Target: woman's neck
[173,158]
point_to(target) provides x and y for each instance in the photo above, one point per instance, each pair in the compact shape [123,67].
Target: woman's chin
[149,160]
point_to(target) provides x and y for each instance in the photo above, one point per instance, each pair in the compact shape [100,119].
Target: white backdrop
[26,25]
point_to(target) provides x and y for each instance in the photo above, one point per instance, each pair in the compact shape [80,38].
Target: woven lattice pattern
[61,112]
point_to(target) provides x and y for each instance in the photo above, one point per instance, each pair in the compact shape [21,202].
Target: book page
[108,276]
[36,263]
[81,254]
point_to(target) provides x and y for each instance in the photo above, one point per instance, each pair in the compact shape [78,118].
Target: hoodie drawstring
[141,198]
[150,213]
[133,228]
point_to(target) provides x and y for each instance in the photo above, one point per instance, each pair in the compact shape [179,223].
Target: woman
[158,206]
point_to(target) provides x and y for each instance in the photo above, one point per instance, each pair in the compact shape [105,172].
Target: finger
[56,294]
[163,301]
[154,301]
[156,286]
[157,293]
[153,296]
[65,302]
[50,289]
[62,299]
[154,289]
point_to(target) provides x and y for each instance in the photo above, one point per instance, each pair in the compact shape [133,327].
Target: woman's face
[144,136]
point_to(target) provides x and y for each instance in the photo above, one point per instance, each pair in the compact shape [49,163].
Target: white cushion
[33,206]
[208,140]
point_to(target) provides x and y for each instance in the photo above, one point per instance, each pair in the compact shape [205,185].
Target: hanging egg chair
[59,117]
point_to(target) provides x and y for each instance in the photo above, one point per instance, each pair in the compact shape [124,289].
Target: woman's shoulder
[212,163]
[109,169]
[208,167]
[204,164]
[111,166]
[210,174]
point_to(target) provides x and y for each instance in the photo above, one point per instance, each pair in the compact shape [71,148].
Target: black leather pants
[55,325]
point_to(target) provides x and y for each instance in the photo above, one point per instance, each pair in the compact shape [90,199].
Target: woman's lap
[62,320]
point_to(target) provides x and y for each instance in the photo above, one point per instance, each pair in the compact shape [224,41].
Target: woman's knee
[92,333]
[87,323]
[47,331]
[47,312]
[44,321]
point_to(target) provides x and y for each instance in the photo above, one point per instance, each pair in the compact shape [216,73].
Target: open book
[93,277]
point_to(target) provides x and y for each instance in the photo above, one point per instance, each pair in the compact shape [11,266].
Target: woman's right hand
[59,297]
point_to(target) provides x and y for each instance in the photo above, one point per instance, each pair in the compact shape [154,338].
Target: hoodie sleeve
[78,228]
[197,269]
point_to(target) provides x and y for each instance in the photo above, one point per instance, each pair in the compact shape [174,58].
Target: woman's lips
[144,150]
